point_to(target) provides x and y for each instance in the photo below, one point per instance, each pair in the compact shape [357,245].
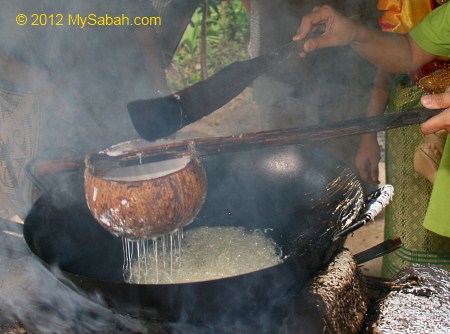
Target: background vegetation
[217,36]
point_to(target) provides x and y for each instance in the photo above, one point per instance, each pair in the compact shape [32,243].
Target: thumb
[436,123]
[436,101]
[440,121]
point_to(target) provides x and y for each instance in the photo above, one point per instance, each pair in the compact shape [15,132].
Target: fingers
[305,27]
[367,167]
[440,121]
[303,30]
[368,171]
[374,173]
[314,44]
[436,101]
[436,123]
[339,30]
[308,22]
[318,16]
[368,157]
[363,171]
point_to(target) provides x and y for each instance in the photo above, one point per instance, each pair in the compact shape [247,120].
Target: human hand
[339,30]
[440,121]
[368,157]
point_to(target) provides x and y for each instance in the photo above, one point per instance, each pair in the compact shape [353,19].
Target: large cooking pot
[300,197]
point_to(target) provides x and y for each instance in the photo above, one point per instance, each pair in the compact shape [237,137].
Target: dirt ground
[242,115]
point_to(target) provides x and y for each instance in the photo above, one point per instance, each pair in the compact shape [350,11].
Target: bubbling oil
[199,254]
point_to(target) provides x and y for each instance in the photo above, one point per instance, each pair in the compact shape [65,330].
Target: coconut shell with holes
[145,201]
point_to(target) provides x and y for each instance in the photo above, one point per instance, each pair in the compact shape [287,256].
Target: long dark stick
[383,248]
[249,141]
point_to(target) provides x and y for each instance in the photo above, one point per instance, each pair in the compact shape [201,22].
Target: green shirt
[432,34]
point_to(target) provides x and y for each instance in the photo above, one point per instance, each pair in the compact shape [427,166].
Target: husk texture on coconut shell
[147,208]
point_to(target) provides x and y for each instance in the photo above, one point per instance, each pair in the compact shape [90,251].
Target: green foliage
[227,38]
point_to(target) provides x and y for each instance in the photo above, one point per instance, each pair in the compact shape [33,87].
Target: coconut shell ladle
[147,207]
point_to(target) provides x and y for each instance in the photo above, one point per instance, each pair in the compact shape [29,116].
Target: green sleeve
[432,34]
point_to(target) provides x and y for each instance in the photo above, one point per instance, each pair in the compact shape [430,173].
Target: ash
[419,303]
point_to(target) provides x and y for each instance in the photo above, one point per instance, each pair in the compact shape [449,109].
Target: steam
[83,77]
[327,86]
[45,301]
[82,109]
[80,82]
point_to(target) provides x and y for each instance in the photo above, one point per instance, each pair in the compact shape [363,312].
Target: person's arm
[390,51]
[368,155]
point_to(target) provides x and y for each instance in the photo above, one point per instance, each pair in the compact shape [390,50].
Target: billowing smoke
[64,90]
[83,76]
[43,300]
[64,87]
[80,83]
[327,86]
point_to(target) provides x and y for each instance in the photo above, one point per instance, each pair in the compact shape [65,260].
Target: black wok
[293,193]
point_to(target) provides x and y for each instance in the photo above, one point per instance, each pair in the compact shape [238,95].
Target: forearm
[379,95]
[391,52]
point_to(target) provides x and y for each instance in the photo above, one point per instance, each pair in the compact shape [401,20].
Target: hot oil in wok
[203,253]
[151,260]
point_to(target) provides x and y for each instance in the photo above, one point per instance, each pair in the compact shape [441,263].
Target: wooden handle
[248,141]
[160,117]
